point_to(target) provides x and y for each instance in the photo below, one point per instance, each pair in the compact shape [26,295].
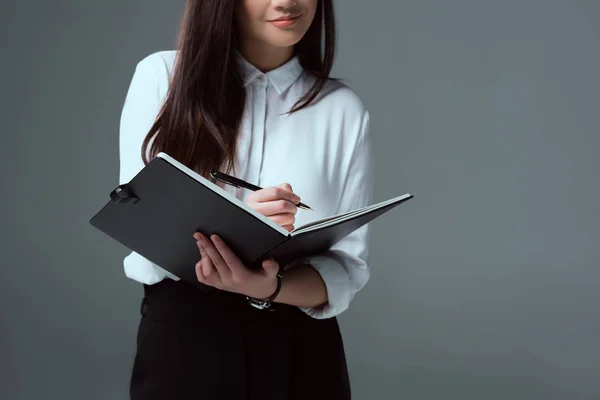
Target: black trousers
[198,345]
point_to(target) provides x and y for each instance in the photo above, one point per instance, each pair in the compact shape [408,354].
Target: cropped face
[279,23]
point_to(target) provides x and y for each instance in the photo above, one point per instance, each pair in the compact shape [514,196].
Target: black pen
[230,180]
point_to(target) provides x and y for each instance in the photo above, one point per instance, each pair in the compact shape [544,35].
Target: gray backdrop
[485,285]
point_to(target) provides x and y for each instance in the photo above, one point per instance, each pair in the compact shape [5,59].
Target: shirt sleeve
[142,104]
[344,268]
[139,112]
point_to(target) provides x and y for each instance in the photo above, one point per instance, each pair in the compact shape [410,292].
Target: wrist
[267,291]
[265,302]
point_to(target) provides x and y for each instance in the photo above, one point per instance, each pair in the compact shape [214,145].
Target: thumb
[271,267]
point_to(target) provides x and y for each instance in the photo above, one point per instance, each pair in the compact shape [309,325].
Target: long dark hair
[199,122]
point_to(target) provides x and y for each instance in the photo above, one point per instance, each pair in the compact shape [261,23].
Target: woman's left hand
[221,268]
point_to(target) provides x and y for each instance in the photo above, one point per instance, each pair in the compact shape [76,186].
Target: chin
[284,44]
[284,40]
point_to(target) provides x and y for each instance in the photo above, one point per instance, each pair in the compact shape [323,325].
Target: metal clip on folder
[123,194]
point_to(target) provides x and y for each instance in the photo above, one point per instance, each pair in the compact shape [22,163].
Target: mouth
[285,21]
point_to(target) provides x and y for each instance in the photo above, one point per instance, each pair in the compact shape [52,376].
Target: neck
[264,57]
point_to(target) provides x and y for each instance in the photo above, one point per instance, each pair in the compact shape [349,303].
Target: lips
[286,18]
[285,22]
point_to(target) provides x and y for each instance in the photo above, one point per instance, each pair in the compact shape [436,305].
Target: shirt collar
[281,78]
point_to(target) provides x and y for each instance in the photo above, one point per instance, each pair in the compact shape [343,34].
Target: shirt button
[261,78]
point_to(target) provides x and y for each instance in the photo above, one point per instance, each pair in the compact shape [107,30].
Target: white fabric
[323,151]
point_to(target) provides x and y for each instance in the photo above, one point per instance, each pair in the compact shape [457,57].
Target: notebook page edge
[332,217]
[344,216]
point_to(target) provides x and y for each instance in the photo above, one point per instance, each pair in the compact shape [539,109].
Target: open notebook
[156,213]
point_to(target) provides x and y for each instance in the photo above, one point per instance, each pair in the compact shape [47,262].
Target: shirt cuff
[337,282]
[143,270]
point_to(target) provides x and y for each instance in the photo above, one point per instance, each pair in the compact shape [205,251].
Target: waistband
[180,302]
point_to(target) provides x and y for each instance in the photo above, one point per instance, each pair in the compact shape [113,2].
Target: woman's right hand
[277,203]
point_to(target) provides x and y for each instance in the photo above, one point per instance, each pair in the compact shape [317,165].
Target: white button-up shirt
[323,152]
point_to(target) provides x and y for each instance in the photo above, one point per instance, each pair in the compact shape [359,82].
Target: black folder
[157,212]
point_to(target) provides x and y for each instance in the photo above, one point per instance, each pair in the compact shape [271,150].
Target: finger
[204,266]
[216,260]
[212,279]
[234,264]
[199,273]
[275,207]
[286,186]
[283,219]
[275,193]
[271,267]
[207,267]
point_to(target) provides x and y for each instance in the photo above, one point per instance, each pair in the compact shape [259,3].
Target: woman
[248,92]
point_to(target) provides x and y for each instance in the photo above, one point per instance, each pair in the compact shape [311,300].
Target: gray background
[485,286]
